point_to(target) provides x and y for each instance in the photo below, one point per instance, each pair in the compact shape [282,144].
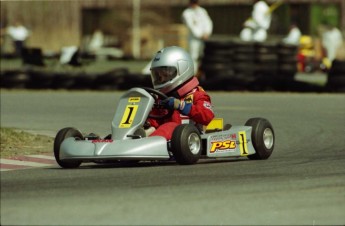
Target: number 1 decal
[243,143]
[128,116]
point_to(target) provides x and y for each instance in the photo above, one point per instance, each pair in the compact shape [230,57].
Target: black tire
[288,59]
[336,84]
[244,57]
[59,138]
[218,44]
[287,68]
[266,58]
[248,67]
[186,144]
[244,47]
[286,49]
[40,78]
[262,138]
[84,81]
[217,67]
[63,80]
[266,68]
[111,80]
[266,48]
[14,79]
[338,67]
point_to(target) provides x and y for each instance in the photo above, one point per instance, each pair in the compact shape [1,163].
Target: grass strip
[16,142]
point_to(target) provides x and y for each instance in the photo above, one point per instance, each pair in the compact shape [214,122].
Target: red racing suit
[201,114]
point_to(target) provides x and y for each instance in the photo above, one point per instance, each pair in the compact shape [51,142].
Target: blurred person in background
[97,47]
[255,28]
[97,40]
[19,34]
[332,40]
[200,28]
[294,35]
[2,38]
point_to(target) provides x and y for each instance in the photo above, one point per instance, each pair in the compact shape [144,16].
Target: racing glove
[181,106]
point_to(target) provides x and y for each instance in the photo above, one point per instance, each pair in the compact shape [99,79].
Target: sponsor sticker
[102,141]
[134,99]
[208,105]
[243,143]
[222,146]
[189,99]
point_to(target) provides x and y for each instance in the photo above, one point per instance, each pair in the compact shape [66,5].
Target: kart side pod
[144,149]
[235,142]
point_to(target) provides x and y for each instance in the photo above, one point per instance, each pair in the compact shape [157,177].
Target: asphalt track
[303,183]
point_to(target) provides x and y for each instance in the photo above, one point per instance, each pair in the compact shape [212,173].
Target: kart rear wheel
[262,137]
[186,144]
[59,138]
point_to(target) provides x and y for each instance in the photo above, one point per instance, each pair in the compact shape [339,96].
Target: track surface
[302,183]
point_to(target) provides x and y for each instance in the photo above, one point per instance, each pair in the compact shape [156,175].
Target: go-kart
[127,141]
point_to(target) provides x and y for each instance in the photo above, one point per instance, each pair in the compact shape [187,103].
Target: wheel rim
[194,143]
[268,138]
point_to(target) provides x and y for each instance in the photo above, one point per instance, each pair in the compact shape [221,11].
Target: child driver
[172,73]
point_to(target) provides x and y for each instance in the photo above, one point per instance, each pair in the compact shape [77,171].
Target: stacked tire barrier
[244,64]
[217,65]
[17,79]
[72,79]
[336,77]
[266,65]
[226,65]
[233,65]
[287,66]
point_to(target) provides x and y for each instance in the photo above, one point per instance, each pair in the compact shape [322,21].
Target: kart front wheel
[263,138]
[59,138]
[186,144]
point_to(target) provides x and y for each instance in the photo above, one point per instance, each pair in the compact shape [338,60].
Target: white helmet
[171,67]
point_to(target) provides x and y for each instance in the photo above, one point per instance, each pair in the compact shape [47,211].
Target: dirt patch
[16,142]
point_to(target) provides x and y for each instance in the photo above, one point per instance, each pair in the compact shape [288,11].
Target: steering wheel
[157,95]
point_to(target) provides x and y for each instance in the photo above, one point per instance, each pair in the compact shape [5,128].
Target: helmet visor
[161,75]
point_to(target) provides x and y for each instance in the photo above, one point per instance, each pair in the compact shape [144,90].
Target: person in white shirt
[97,47]
[19,34]
[200,27]
[332,40]
[255,28]
[294,35]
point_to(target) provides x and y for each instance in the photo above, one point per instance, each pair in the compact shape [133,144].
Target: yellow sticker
[128,116]
[222,146]
[243,143]
[189,98]
[134,99]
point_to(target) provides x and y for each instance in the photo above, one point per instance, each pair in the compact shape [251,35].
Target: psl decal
[222,146]
[134,99]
